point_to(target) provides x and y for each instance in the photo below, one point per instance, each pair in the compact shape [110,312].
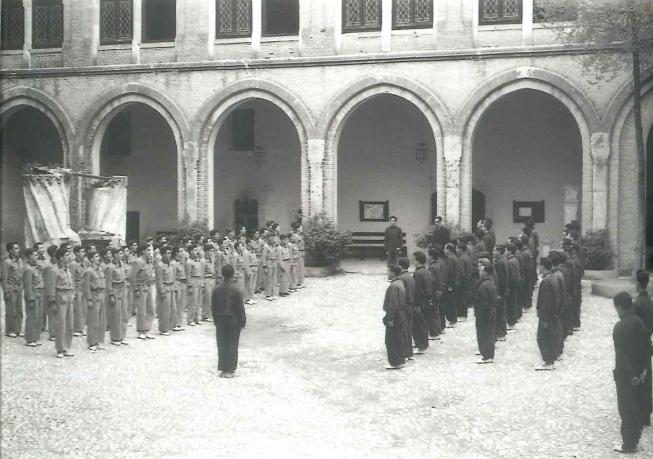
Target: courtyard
[312,382]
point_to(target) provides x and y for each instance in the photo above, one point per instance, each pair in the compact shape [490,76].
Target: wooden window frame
[116,40]
[47,44]
[361,28]
[265,33]
[413,24]
[234,34]
[20,10]
[144,28]
[500,19]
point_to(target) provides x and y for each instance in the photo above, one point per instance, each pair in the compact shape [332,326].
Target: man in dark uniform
[501,273]
[468,281]
[441,235]
[395,299]
[435,321]
[632,349]
[393,241]
[643,307]
[526,270]
[409,306]
[452,292]
[558,275]
[228,311]
[485,313]
[489,237]
[423,289]
[547,306]
[514,282]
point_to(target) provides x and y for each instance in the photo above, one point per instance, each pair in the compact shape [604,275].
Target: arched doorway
[527,148]
[386,151]
[27,137]
[256,167]
[139,143]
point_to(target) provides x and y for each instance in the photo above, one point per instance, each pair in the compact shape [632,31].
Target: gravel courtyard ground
[311,382]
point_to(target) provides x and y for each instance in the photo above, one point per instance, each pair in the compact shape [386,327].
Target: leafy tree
[621,35]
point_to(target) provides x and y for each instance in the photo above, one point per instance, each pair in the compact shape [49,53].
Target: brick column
[27,44]
[454,180]
[527,23]
[188,188]
[315,188]
[600,150]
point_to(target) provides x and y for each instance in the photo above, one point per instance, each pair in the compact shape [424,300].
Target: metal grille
[243,11]
[125,19]
[402,12]
[371,12]
[352,13]
[491,9]
[116,21]
[12,23]
[511,8]
[225,13]
[422,11]
[234,18]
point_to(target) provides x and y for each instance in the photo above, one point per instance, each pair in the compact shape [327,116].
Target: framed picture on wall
[522,210]
[374,211]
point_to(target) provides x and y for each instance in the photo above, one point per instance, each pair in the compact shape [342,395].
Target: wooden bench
[365,241]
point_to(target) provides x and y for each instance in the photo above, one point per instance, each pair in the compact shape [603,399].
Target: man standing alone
[229,316]
[393,241]
[631,351]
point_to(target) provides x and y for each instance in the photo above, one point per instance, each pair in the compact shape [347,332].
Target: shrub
[325,245]
[190,229]
[424,239]
[596,252]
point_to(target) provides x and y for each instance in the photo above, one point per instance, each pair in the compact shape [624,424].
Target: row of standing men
[80,291]
[498,280]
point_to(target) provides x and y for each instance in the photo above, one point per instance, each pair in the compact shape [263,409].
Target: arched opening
[27,137]
[140,144]
[527,149]
[386,152]
[649,199]
[256,167]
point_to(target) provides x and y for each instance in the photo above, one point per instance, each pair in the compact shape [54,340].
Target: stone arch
[524,78]
[15,98]
[210,117]
[334,117]
[110,104]
[618,119]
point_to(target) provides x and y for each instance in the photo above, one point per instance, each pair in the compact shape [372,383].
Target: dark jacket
[441,236]
[409,287]
[547,299]
[227,300]
[423,286]
[501,271]
[393,304]
[631,347]
[485,303]
[514,274]
[452,272]
[525,265]
[393,238]
[643,307]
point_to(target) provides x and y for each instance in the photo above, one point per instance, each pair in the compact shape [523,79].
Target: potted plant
[325,245]
[598,257]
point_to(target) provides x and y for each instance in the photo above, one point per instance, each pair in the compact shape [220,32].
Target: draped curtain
[108,206]
[47,216]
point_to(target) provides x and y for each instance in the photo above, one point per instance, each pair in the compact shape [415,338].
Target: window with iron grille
[500,11]
[233,18]
[361,15]
[412,14]
[159,20]
[115,21]
[47,24]
[280,17]
[13,24]
[545,11]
